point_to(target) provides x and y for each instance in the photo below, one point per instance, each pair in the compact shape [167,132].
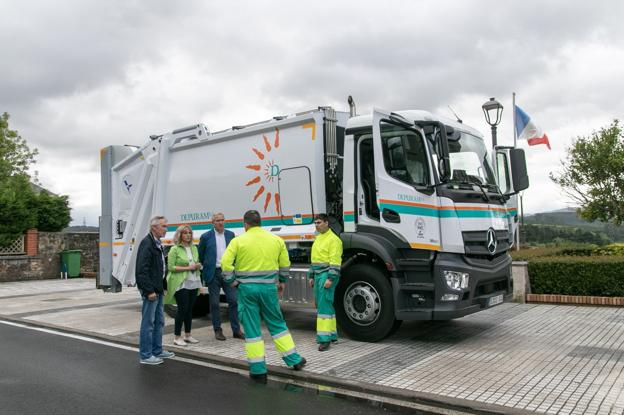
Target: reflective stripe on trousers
[254,349]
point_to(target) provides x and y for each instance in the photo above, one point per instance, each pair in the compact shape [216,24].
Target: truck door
[368,208]
[407,201]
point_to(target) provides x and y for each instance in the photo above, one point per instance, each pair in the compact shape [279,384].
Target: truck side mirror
[511,170]
[519,173]
[443,152]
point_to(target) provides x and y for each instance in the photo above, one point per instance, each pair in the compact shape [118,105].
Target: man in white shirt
[212,245]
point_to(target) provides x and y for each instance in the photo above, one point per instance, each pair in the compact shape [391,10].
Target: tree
[17,208]
[20,207]
[592,174]
[53,212]
[15,155]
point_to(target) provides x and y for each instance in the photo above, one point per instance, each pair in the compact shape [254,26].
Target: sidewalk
[514,358]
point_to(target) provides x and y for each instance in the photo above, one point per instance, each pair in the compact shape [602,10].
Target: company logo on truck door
[267,171]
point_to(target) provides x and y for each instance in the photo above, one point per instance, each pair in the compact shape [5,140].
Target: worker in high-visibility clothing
[253,262]
[323,276]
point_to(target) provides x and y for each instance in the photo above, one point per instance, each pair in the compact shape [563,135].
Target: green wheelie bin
[70,261]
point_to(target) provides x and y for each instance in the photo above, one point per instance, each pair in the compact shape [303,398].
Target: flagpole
[513,109]
[515,135]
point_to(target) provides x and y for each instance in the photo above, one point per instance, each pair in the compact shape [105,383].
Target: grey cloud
[473,50]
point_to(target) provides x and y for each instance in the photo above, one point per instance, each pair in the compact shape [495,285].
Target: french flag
[527,130]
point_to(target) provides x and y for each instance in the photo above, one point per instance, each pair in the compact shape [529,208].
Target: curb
[575,299]
[378,395]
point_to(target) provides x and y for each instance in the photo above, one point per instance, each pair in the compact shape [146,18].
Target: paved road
[47,373]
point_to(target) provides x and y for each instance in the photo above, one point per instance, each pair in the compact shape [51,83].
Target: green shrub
[610,250]
[568,275]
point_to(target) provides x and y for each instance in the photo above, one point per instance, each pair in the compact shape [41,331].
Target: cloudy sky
[78,75]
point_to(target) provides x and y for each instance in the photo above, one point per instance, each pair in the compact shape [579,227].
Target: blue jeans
[214,292]
[152,323]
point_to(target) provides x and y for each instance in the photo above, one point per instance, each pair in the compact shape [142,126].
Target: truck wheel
[171,310]
[200,308]
[364,304]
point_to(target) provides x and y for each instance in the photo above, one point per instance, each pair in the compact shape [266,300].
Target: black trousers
[185,299]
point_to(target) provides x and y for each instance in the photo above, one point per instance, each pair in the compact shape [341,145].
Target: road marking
[72,336]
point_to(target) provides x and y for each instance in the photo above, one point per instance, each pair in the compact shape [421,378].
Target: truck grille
[475,243]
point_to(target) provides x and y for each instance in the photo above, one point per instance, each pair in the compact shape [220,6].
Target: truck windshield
[469,161]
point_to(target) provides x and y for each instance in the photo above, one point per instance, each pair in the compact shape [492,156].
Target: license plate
[497,299]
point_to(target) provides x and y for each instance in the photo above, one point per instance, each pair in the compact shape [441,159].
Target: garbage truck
[425,213]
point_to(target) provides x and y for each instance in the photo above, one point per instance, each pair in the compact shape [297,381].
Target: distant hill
[94,229]
[566,217]
[569,218]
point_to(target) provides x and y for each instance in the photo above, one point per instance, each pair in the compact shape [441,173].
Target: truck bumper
[490,284]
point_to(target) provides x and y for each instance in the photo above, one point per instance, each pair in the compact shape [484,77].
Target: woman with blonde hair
[183,282]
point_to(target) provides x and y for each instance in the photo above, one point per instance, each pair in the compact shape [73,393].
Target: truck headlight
[456,280]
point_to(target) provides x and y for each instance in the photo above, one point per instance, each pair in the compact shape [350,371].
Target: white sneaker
[191,340]
[179,342]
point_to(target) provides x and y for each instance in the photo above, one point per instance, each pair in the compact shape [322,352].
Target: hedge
[568,275]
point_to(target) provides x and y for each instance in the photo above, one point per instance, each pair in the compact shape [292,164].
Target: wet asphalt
[51,374]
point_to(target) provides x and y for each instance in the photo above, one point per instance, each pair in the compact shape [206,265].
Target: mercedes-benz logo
[490,241]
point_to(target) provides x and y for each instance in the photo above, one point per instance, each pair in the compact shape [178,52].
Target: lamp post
[493,111]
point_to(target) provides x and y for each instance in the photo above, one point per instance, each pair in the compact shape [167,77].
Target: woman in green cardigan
[183,282]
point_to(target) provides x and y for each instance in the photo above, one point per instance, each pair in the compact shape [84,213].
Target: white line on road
[73,336]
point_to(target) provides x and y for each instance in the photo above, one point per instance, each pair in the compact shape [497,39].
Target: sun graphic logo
[267,172]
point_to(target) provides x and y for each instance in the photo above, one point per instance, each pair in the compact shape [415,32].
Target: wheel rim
[362,303]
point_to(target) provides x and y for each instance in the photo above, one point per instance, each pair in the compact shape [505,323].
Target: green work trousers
[326,315]
[257,302]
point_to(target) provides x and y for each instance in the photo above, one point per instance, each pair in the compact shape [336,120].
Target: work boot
[323,346]
[259,378]
[219,335]
[300,365]
[239,335]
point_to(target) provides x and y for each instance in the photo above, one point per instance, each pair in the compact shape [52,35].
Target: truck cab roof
[362,121]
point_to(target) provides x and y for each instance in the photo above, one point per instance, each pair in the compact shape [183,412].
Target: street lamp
[493,111]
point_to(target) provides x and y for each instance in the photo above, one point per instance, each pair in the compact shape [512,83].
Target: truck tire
[200,308]
[364,304]
[171,310]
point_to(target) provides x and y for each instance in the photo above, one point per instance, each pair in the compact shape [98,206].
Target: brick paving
[550,359]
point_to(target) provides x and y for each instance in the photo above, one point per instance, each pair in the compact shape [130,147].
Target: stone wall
[46,264]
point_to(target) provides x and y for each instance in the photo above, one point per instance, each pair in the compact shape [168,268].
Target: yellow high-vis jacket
[326,255]
[257,256]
